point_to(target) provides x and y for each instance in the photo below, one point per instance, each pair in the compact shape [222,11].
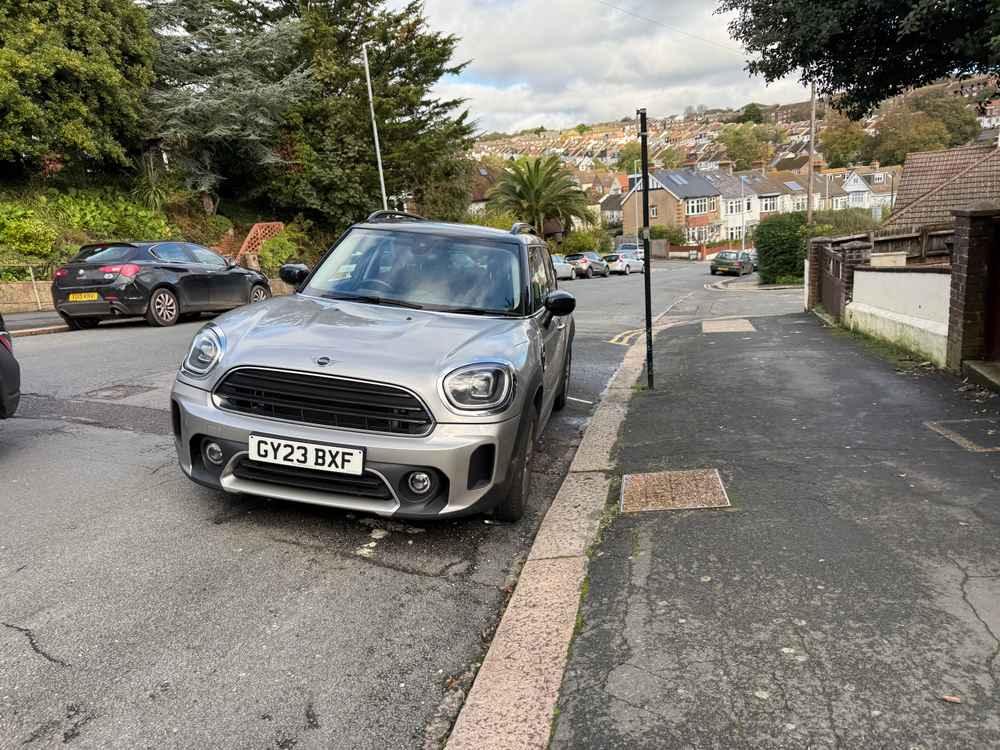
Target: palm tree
[535,190]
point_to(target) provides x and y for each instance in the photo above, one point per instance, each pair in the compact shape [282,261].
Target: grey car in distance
[409,375]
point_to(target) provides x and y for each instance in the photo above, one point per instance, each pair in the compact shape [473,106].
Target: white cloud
[560,62]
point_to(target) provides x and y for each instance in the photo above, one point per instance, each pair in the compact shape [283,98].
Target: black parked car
[161,281]
[10,375]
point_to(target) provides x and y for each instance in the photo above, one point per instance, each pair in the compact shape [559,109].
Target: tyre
[79,324]
[259,293]
[628,269]
[511,508]
[164,309]
[711,271]
[560,402]
[590,273]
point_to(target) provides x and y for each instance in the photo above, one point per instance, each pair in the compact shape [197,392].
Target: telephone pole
[812,152]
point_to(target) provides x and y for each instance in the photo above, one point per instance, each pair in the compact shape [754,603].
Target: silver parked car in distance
[564,270]
[409,375]
[624,262]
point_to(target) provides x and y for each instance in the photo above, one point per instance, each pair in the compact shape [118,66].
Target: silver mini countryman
[409,375]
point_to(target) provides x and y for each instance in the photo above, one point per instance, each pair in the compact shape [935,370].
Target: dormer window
[878,178]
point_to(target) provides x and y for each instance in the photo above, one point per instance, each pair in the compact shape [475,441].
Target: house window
[878,178]
[799,203]
[839,203]
[749,206]
[652,212]
[858,200]
[769,204]
[696,206]
[713,204]
[733,207]
[735,233]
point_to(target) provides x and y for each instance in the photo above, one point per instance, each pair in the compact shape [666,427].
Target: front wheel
[164,309]
[511,508]
[712,271]
[259,293]
[628,270]
[590,273]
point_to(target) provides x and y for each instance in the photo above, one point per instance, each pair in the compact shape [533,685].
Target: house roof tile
[936,183]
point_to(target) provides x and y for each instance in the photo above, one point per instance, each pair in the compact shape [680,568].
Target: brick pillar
[854,255]
[815,258]
[974,240]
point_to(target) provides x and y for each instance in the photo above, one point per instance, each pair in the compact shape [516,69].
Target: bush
[105,216]
[283,248]
[845,221]
[24,238]
[674,235]
[585,241]
[781,246]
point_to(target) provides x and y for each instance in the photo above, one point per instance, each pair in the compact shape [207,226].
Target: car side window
[172,252]
[539,273]
[202,255]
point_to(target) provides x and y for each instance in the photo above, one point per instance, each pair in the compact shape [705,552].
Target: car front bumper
[471,460]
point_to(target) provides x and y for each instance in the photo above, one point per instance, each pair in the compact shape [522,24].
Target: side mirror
[293,274]
[557,304]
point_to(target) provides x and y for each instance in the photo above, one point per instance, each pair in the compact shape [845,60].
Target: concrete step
[983,372]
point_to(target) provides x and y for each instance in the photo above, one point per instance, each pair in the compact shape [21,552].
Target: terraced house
[680,198]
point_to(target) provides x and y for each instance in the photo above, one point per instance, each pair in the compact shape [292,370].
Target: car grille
[368,485]
[323,400]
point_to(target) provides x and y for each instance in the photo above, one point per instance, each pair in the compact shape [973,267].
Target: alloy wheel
[259,294]
[165,306]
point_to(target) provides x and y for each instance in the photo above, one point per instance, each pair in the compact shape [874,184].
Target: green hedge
[585,241]
[781,247]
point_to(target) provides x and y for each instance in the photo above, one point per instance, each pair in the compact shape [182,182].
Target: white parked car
[564,270]
[624,262]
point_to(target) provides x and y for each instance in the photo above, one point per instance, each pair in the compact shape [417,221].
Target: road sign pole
[647,257]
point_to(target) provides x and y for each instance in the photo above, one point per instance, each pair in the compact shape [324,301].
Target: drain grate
[673,490]
[975,435]
[738,325]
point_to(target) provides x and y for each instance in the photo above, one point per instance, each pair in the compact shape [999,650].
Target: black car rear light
[128,270]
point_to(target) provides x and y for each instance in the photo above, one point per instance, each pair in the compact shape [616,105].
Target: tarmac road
[140,610]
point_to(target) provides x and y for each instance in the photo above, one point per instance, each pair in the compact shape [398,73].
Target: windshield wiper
[477,311]
[375,300]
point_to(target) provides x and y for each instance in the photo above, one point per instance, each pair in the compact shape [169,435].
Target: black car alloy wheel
[258,294]
[164,310]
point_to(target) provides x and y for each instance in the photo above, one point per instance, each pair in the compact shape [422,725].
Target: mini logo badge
[323,361]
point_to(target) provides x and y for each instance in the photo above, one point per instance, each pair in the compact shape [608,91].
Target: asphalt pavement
[141,610]
[848,598]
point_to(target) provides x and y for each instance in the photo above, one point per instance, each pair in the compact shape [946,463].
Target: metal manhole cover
[739,325]
[975,435]
[673,490]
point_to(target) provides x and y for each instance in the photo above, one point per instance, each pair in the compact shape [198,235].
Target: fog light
[213,452]
[419,482]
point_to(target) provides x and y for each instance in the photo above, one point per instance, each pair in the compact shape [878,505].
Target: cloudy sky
[560,62]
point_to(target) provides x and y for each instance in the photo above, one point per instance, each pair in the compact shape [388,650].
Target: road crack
[991,660]
[33,642]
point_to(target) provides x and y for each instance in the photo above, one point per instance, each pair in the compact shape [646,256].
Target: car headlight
[480,387]
[206,350]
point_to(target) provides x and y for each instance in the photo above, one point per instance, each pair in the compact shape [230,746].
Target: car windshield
[558,259]
[627,248]
[103,254]
[729,256]
[611,257]
[422,271]
[575,256]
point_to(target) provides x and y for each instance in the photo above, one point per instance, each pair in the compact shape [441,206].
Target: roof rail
[522,227]
[393,216]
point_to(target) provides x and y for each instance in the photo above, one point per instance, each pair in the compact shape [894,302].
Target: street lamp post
[647,253]
[371,104]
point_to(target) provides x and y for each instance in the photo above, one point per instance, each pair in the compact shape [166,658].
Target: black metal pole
[647,255]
